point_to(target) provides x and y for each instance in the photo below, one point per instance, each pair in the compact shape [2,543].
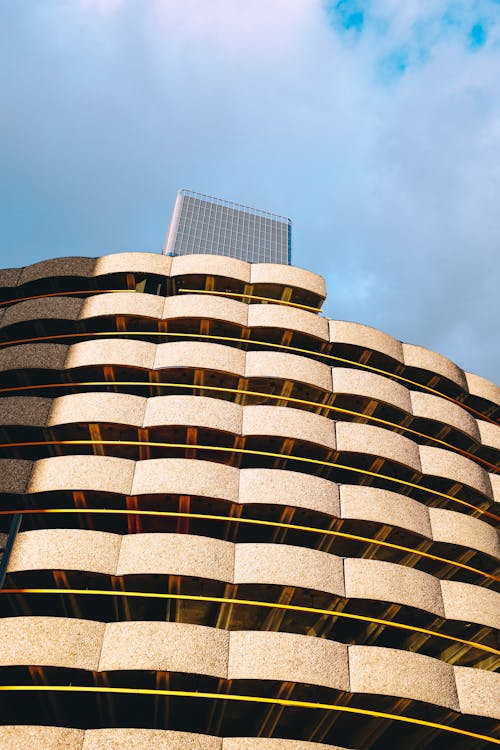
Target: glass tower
[202,224]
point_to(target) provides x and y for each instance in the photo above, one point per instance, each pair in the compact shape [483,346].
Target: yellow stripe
[254,603]
[248,451]
[259,343]
[248,699]
[252,296]
[251,522]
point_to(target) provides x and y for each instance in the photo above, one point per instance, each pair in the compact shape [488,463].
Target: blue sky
[374,124]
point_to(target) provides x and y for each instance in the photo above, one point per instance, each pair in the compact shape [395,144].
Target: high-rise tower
[234,524]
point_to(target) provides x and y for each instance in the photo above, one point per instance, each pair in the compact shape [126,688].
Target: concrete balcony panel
[372,386]
[478,692]
[483,388]
[285,366]
[50,738]
[428,406]
[272,743]
[202,355]
[28,411]
[495,486]
[34,356]
[133,304]
[98,473]
[165,647]
[14,475]
[194,411]
[489,434]
[210,265]
[284,565]
[456,528]
[288,318]
[365,337]
[386,507]
[10,276]
[112,351]
[287,657]
[426,359]
[276,273]
[389,582]
[49,269]
[280,487]
[51,642]
[148,739]
[444,463]
[185,476]
[206,307]
[469,603]
[113,408]
[377,441]
[176,554]
[62,308]
[288,423]
[153,263]
[66,549]
[388,671]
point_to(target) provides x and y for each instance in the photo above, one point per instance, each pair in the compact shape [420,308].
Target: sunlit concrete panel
[185,476]
[280,487]
[386,507]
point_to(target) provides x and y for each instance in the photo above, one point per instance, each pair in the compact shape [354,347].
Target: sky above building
[373,124]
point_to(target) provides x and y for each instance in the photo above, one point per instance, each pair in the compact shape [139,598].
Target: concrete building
[243,526]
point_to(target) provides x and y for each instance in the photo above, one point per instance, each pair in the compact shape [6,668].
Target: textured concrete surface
[64,308]
[103,473]
[490,434]
[468,603]
[165,646]
[478,691]
[40,738]
[185,476]
[213,265]
[31,411]
[286,366]
[200,354]
[112,351]
[384,506]
[14,475]
[456,528]
[288,566]
[34,356]
[206,307]
[148,739]
[287,657]
[135,304]
[389,582]
[281,487]
[66,549]
[176,554]
[365,337]
[444,463]
[479,386]
[288,423]
[116,408]
[428,406]
[133,262]
[197,411]
[425,359]
[289,318]
[264,743]
[10,276]
[50,641]
[273,273]
[369,385]
[72,266]
[376,441]
[388,671]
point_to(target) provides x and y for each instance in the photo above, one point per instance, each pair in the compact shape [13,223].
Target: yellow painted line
[271,396]
[252,296]
[253,603]
[248,451]
[285,347]
[250,522]
[248,699]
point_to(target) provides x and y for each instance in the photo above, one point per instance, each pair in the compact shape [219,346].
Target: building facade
[231,523]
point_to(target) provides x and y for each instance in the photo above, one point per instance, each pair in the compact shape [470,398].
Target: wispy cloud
[375,125]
